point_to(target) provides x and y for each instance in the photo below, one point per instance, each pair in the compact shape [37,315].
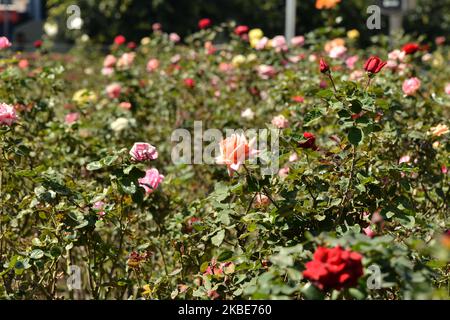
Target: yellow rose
[353,34]
[251,57]
[84,96]
[238,60]
[255,34]
[145,41]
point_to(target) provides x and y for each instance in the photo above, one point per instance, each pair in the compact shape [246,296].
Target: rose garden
[93,205]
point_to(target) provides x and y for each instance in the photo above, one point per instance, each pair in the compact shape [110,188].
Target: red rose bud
[241,30]
[310,142]
[189,82]
[324,67]
[37,44]
[411,48]
[374,64]
[334,268]
[119,40]
[204,23]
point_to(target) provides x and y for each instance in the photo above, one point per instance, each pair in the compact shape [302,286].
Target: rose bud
[310,142]
[324,67]
[374,64]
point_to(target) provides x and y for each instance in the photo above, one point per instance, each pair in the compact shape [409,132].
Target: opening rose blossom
[151,180]
[310,142]
[7,114]
[234,150]
[142,151]
[374,65]
[204,23]
[410,86]
[4,43]
[334,268]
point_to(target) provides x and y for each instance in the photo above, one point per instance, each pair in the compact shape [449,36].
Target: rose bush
[359,208]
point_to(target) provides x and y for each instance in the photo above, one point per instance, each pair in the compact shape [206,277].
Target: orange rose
[234,150]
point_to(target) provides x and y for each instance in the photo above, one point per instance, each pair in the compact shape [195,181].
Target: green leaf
[36,254]
[96,165]
[354,135]
[218,238]
[356,293]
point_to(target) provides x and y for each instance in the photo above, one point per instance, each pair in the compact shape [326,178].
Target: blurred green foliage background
[104,19]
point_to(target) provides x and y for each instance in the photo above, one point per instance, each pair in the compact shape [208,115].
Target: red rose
[310,142]
[324,67]
[411,48]
[119,40]
[334,268]
[204,23]
[298,99]
[37,43]
[374,64]
[131,45]
[189,82]
[240,30]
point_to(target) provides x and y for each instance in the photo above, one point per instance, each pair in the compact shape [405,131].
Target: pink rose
[151,180]
[142,151]
[7,114]
[369,232]
[126,60]
[266,71]
[4,43]
[280,122]
[337,52]
[23,64]
[447,88]
[107,71]
[72,117]
[404,159]
[156,26]
[298,41]
[110,61]
[152,65]
[98,206]
[175,38]
[283,172]
[350,62]
[125,105]
[262,43]
[114,90]
[279,43]
[410,86]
